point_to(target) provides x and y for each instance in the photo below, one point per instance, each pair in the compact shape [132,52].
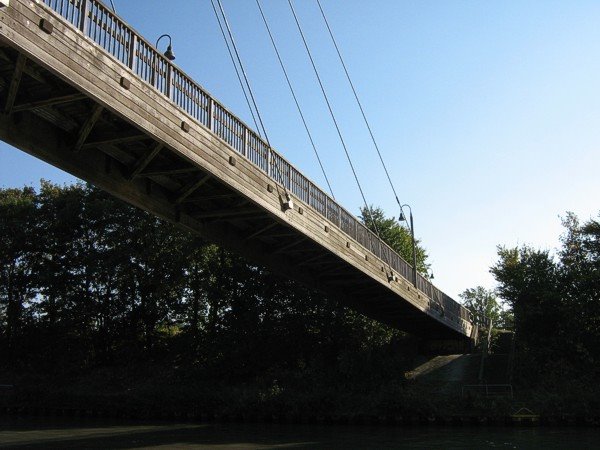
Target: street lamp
[414,244]
[169,52]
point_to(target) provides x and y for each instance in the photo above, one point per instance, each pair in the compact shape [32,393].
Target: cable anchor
[288,203]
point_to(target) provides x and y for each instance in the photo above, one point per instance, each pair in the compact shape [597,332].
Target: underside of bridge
[65,101]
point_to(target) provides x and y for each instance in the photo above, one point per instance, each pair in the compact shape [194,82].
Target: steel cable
[237,72]
[289,83]
[239,59]
[339,132]
[358,102]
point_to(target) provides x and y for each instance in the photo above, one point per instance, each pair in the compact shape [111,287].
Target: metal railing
[117,38]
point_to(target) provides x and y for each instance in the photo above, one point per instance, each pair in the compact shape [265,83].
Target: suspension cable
[358,102]
[367,207]
[289,83]
[362,111]
[239,59]
[237,72]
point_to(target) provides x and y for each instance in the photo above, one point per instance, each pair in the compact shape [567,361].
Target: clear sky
[487,113]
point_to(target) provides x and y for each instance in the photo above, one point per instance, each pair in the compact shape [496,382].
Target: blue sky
[487,113]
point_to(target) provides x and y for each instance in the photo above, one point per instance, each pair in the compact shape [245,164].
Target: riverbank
[195,416]
[165,396]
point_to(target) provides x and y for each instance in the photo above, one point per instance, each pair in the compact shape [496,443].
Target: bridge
[81,90]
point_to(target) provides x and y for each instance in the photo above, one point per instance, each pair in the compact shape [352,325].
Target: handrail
[120,40]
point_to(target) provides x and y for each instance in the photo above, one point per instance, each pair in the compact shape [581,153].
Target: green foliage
[484,305]
[17,207]
[396,235]
[556,304]
[89,282]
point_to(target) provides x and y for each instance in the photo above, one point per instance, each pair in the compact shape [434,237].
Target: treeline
[555,300]
[102,299]
[551,299]
[87,281]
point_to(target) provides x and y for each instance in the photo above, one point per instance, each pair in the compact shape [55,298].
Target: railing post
[132,63]
[211,113]
[269,171]
[307,184]
[153,69]
[168,81]
[245,142]
[84,10]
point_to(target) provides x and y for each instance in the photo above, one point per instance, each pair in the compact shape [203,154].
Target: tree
[528,280]
[580,278]
[87,280]
[555,301]
[396,235]
[17,243]
[483,304]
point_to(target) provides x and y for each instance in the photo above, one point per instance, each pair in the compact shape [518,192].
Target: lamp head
[169,53]
[401,217]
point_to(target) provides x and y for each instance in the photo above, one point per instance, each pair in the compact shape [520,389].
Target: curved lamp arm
[169,52]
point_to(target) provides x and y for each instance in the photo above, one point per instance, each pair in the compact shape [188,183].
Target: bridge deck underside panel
[69,103]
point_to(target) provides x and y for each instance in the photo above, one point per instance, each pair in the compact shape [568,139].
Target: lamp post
[169,52]
[156,70]
[414,244]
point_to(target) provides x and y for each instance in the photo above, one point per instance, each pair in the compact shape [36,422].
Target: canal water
[94,433]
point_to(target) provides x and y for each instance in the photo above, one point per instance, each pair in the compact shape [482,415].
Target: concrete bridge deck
[81,90]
